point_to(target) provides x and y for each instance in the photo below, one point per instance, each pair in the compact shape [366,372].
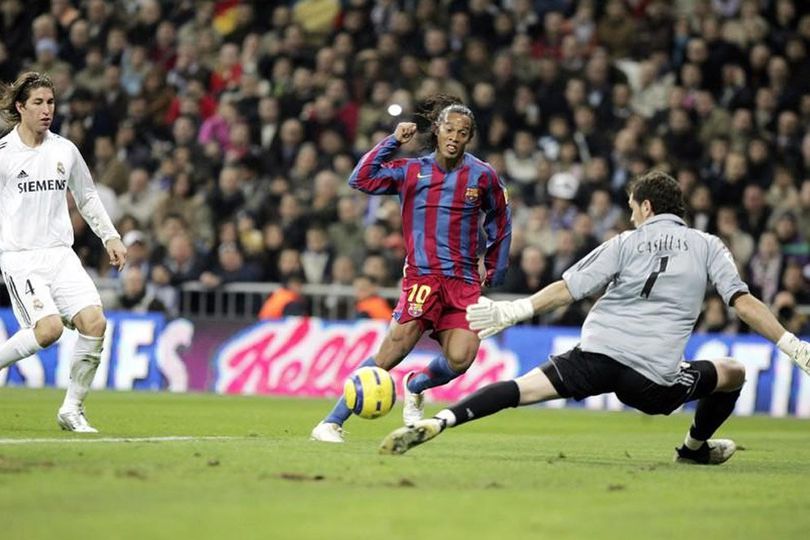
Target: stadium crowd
[221,134]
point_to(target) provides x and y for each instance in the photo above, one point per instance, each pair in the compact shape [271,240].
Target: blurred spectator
[765,268]
[714,317]
[562,187]
[531,275]
[229,267]
[140,199]
[108,169]
[136,295]
[368,303]
[755,212]
[782,196]
[182,199]
[604,214]
[226,197]
[523,158]
[138,255]
[794,282]
[347,232]
[316,259]
[286,301]
[182,263]
[343,270]
[739,243]
[784,307]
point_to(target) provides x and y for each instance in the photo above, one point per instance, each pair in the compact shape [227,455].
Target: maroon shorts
[437,302]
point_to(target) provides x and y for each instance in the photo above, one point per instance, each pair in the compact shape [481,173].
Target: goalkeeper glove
[488,318]
[798,351]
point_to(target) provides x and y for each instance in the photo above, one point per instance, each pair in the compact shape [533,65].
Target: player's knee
[460,361]
[48,330]
[731,374]
[95,327]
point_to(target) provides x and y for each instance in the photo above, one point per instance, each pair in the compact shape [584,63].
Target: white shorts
[50,281]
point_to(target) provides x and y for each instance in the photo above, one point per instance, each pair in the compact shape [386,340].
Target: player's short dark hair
[18,92]
[434,110]
[661,190]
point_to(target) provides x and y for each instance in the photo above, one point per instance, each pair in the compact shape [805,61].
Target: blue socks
[437,373]
[341,412]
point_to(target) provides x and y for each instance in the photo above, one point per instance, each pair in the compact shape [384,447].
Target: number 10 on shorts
[416,299]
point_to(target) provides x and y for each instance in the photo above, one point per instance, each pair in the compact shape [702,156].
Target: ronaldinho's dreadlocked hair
[19,91]
[434,110]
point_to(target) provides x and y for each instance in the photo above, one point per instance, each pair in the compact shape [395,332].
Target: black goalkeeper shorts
[578,374]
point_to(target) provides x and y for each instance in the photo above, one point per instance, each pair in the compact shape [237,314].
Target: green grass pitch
[528,473]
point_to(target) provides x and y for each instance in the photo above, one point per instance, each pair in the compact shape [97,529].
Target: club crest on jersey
[415,309]
[38,305]
[60,168]
[471,194]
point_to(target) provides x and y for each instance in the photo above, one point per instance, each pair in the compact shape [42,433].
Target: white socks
[21,345]
[692,443]
[448,416]
[86,358]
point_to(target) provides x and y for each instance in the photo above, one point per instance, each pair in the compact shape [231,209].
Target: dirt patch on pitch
[12,466]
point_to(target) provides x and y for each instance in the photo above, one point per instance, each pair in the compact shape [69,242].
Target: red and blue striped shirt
[441,211]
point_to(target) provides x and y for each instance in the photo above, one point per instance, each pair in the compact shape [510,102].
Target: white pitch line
[117,440]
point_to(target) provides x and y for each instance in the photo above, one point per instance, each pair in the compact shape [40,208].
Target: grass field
[528,473]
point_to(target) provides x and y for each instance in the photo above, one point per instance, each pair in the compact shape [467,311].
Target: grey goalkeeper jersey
[656,279]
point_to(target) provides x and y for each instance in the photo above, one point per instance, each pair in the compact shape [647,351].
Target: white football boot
[403,439]
[713,452]
[327,432]
[413,408]
[74,420]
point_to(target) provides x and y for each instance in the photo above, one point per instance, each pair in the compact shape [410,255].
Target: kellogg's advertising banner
[308,357]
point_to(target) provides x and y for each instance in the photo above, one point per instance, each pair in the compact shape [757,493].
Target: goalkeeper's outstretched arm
[488,318]
[551,297]
[756,315]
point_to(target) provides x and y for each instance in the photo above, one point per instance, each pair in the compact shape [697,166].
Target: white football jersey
[33,203]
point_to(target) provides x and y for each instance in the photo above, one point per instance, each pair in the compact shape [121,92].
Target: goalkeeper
[634,336]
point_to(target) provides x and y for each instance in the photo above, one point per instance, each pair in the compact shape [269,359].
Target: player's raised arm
[372,174]
[498,230]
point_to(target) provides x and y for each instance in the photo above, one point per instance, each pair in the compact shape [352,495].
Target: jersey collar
[664,217]
[15,135]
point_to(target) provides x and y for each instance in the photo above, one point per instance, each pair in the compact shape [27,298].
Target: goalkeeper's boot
[327,432]
[413,408]
[74,420]
[403,439]
[713,452]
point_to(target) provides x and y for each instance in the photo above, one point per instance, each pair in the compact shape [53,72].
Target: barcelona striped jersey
[442,210]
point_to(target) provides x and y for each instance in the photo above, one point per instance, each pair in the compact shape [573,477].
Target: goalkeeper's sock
[437,373]
[447,417]
[488,400]
[711,412]
[21,345]
[341,412]
[691,443]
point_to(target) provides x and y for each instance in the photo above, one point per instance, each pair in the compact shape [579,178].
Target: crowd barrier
[310,357]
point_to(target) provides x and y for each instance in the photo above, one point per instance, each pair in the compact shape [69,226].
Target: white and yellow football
[370,392]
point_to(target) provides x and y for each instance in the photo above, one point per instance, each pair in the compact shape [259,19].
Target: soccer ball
[370,392]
